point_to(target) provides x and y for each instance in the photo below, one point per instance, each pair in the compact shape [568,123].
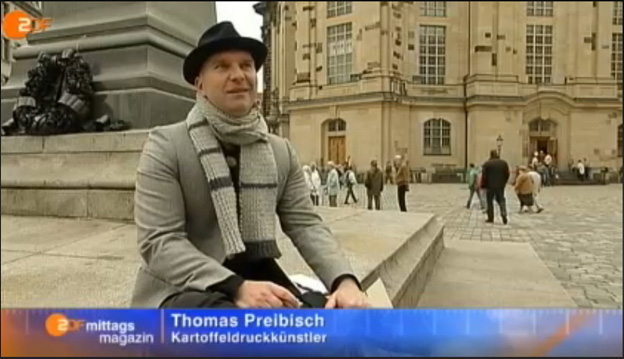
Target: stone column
[135,49]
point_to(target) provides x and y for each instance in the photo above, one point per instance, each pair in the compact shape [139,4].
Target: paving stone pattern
[578,236]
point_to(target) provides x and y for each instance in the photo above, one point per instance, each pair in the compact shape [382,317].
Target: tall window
[619,141]
[437,137]
[432,58]
[433,8]
[617,13]
[616,58]
[337,8]
[539,53]
[339,53]
[539,8]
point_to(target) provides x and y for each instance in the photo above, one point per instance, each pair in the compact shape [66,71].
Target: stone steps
[82,175]
[45,259]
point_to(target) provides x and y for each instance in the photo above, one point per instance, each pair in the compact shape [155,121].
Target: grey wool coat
[178,233]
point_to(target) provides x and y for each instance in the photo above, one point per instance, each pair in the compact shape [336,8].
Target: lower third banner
[394,332]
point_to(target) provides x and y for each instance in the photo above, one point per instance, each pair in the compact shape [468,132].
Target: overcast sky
[244,18]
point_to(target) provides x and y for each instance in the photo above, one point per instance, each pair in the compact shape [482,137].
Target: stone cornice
[478,100]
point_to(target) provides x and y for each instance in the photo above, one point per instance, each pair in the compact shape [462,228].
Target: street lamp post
[499,144]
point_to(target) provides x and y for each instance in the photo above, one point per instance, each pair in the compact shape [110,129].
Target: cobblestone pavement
[578,236]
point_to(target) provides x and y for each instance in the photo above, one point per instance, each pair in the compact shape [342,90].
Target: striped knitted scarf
[253,231]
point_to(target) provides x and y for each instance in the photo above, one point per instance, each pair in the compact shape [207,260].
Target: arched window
[437,137]
[619,141]
[337,125]
[543,127]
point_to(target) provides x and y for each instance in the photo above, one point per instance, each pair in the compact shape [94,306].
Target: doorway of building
[337,149]
[545,144]
[543,137]
[335,136]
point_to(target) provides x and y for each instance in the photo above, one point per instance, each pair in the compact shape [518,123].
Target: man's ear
[198,84]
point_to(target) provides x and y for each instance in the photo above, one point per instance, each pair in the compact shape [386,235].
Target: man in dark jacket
[402,181]
[374,185]
[495,177]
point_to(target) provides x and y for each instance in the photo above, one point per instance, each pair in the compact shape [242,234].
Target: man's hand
[264,295]
[348,295]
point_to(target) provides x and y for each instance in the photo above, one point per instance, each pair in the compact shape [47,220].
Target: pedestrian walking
[537,188]
[482,191]
[340,171]
[350,182]
[307,175]
[472,176]
[333,184]
[524,188]
[548,162]
[580,170]
[587,169]
[389,173]
[402,181]
[495,177]
[315,178]
[542,170]
[374,184]
[535,159]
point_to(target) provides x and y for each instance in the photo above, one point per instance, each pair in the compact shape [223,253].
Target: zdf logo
[17,24]
[58,325]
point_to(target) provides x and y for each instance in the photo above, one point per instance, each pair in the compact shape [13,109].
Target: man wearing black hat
[208,190]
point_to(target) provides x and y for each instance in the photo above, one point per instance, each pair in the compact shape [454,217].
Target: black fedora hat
[220,37]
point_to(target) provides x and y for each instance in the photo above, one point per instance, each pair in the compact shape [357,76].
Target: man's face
[228,80]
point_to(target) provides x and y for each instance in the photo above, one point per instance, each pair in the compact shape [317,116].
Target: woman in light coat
[307,174]
[315,178]
[333,185]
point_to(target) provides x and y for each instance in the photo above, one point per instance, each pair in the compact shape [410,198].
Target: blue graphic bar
[398,332]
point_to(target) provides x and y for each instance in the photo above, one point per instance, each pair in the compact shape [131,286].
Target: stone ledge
[78,161]
[128,141]
[70,171]
[21,144]
[71,203]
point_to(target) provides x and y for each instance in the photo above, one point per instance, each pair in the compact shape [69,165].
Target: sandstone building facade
[443,83]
